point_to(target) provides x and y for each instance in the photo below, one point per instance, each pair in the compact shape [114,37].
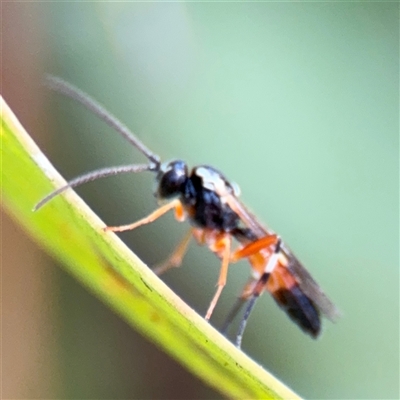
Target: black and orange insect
[218,219]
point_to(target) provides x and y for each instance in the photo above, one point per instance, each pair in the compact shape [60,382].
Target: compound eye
[171,179]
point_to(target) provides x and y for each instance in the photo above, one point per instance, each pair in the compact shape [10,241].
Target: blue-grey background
[296,102]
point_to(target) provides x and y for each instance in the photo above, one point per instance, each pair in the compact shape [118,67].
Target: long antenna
[91,176]
[68,90]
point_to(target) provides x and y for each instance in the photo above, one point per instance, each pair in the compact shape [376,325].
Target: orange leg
[175,259]
[150,218]
[257,287]
[225,243]
[254,247]
[248,289]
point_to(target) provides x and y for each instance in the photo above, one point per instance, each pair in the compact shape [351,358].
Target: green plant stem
[72,233]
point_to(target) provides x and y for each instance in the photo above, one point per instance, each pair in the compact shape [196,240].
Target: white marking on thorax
[213,180]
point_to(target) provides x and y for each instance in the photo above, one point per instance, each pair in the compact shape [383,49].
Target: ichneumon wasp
[217,217]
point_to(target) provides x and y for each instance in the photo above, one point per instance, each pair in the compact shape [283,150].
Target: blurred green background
[297,102]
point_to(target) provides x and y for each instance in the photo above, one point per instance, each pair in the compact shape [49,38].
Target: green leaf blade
[72,233]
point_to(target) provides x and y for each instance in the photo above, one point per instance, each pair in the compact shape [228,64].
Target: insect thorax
[204,200]
[203,194]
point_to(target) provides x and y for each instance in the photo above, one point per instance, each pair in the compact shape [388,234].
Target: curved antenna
[91,176]
[68,90]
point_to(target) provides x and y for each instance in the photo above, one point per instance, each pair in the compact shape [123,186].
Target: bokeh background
[297,102]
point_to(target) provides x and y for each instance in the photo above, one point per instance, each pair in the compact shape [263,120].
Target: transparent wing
[310,287]
[303,277]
